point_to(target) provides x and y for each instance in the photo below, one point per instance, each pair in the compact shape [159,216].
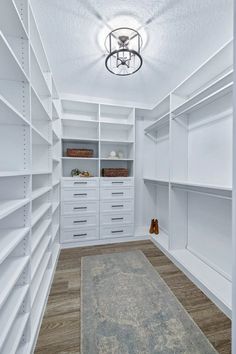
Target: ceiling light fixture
[123,46]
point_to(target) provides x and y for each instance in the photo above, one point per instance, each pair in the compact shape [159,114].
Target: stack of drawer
[80,209]
[116,207]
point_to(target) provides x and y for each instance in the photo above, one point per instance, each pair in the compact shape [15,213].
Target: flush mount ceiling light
[123,46]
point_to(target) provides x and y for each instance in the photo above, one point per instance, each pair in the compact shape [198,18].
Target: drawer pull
[117,231]
[80,182]
[79,194]
[117,193]
[117,218]
[118,206]
[80,208]
[79,221]
[80,235]
[116,182]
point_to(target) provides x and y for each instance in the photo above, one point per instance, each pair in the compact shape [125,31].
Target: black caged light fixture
[123,46]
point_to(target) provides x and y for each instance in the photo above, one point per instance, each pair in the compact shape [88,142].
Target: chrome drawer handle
[117,218]
[80,235]
[116,182]
[80,182]
[117,231]
[76,194]
[118,193]
[79,208]
[79,221]
[118,206]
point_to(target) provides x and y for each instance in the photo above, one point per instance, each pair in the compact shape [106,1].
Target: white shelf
[155,180]
[210,281]
[9,115]
[39,192]
[39,276]
[41,249]
[79,140]
[9,240]
[121,124]
[9,206]
[38,109]
[80,158]
[165,119]
[43,89]
[10,311]
[10,273]
[55,136]
[222,191]
[10,68]
[55,183]
[55,229]
[42,172]
[55,160]
[189,107]
[118,142]
[37,214]
[15,173]
[38,235]
[10,20]
[54,207]
[108,159]
[39,138]
[11,346]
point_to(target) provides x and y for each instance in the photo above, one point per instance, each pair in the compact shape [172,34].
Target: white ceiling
[181,35]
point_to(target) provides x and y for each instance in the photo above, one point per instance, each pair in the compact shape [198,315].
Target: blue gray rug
[126,308]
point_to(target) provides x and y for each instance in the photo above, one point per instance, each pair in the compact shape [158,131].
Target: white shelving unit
[187,175]
[29,233]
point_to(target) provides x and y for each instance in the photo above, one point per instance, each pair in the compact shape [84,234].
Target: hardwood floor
[60,330]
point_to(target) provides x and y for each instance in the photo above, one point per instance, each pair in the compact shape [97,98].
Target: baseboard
[101,242]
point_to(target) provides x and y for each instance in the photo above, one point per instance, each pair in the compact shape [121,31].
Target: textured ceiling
[180,36]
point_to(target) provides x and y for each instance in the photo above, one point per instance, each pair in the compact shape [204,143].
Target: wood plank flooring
[60,330]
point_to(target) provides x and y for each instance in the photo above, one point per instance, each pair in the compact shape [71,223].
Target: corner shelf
[156,180]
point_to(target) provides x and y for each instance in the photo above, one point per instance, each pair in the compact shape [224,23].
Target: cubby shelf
[75,140]
[13,268]
[9,206]
[10,239]
[10,67]
[9,115]
[120,142]
[11,310]
[80,158]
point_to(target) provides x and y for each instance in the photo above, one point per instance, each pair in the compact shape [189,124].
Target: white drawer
[116,182]
[81,235]
[116,205]
[80,194]
[116,218]
[116,193]
[79,207]
[79,221]
[116,231]
[80,182]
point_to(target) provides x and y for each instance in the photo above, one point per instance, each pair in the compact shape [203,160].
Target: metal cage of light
[123,46]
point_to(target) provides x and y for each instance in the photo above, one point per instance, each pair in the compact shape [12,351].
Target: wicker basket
[115,172]
[79,153]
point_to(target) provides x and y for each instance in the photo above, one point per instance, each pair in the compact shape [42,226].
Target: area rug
[126,308]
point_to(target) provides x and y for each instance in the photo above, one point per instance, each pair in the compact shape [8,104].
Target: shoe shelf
[10,239]
[41,271]
[38,213]
[38,254]
[38,233]
[10,311]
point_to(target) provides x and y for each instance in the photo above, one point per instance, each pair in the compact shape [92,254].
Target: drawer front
[80,183]
[116,218]
[79,221]
[117,182]
[79,207]
[79,236]
[80,194]
[116,231]
[116,205]
[117,193]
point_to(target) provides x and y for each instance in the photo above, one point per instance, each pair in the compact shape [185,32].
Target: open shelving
[187,175]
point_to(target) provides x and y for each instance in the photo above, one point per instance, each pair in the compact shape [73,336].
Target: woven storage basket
[79,153]
[115,172]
